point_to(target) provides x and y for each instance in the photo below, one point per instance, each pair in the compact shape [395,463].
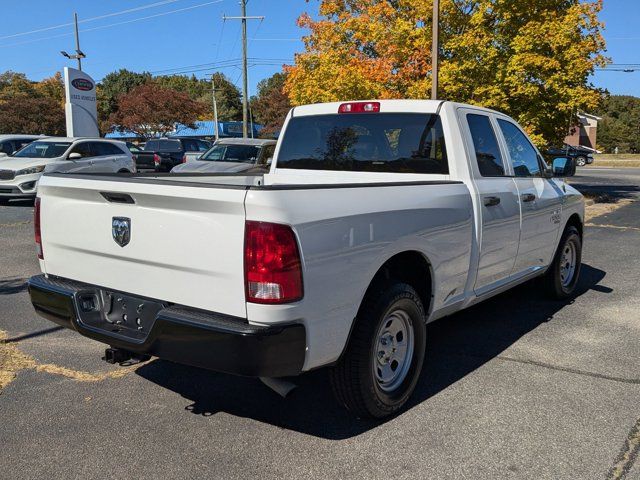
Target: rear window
[170,146]
[384,142]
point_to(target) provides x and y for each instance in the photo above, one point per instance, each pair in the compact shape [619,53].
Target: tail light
[272,266]
[184,158]
[156,159]
[36,228]
[359,107]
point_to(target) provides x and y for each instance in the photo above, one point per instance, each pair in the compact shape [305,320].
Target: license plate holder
[116,312]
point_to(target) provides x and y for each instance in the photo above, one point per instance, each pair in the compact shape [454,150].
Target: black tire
[353,379]
[553,279]
[581,161]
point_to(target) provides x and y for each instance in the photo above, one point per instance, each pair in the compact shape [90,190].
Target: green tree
[620,124]
[112,86]
[14,83]
[530,59]
[271,105]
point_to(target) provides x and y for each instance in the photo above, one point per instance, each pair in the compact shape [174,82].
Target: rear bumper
[181,334]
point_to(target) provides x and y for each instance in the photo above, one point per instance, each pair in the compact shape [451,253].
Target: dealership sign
[82,84]
[80,107]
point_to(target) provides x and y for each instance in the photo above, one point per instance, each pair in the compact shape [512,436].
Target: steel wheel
[568,264]
[394,350]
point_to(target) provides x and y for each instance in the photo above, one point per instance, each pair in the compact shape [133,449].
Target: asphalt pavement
[517,387]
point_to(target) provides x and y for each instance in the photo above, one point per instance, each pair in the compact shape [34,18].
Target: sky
[191,36]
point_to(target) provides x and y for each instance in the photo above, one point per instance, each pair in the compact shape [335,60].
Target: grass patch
[598,204]
[621,160]
[12,360]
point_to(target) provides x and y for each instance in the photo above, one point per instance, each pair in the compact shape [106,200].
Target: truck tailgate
[186,241]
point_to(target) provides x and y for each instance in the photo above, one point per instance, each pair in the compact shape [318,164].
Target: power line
[92,19]
[116,24]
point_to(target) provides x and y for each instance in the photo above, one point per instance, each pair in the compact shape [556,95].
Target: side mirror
[269,160]
[74,156]
[564,167]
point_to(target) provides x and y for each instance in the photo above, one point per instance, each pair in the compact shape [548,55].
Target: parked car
[583,156]
[12,143]
[19,174]
[162,154]
[134,148]
[375,218]
[232,155]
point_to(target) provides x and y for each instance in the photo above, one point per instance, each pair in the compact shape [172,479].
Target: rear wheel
[384,358]
[563,274]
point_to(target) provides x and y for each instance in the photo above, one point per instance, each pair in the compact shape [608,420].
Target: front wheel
[581,161]
[384,358]
[563,274]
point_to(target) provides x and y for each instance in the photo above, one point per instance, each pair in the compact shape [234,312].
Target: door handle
[528,197]
[491,201]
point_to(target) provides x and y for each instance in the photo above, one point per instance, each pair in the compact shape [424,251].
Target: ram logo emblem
[121,230]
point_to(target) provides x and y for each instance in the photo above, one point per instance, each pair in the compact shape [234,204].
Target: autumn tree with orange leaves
[530,59]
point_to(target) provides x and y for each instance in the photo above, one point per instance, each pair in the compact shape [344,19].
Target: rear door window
[380,142]
[485,143]
[102,149]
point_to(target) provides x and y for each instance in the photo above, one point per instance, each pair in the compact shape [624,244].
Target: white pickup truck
[374,219]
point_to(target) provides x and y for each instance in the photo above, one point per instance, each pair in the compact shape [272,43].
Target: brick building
[584,134]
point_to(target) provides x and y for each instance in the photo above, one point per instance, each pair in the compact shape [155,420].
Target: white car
[12,143]
[375,218]
[232,155]
[19,173]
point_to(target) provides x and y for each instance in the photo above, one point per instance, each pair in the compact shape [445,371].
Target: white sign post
[80,108]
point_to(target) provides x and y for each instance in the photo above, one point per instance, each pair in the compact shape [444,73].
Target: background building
[584,134]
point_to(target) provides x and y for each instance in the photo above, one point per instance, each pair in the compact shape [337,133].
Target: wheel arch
[575,221]
[411,267]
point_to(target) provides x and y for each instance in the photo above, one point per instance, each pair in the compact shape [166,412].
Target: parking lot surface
[517,387]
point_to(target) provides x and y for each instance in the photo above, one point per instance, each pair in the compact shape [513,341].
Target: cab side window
[523,156]
[488,154]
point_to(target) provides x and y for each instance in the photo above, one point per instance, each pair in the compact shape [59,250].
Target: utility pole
[75,20]
[215,107]
[245,88]
[78,55]
[435,49]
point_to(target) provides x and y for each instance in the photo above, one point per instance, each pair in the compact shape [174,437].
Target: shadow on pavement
[12,285]
[612,193]
[457,346]
[28,202]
